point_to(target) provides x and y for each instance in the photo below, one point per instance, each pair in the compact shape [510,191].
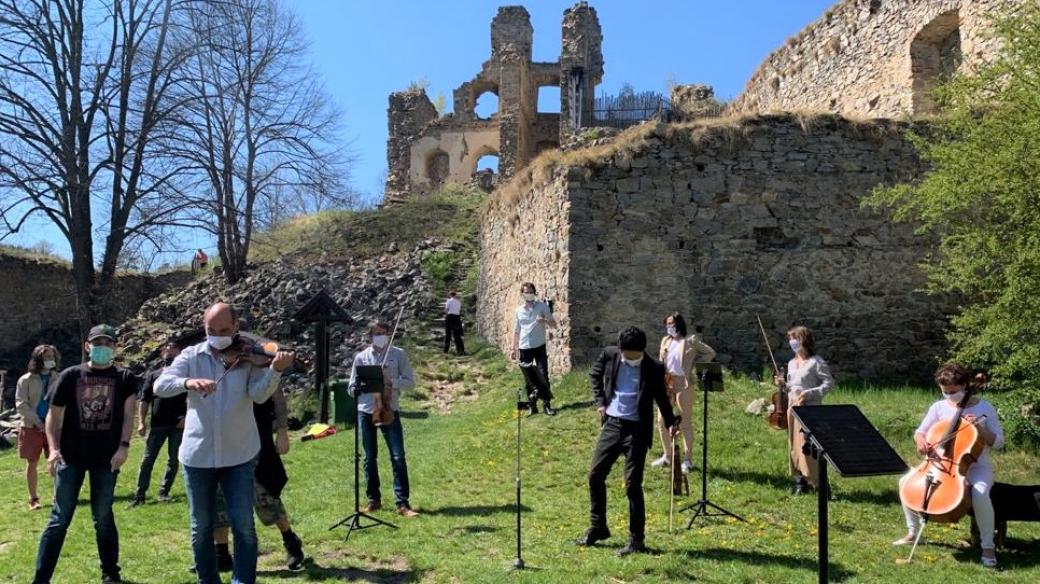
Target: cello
[938,488]
[778,417]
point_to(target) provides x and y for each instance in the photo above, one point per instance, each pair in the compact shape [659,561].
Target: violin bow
[393,334]
[768,348]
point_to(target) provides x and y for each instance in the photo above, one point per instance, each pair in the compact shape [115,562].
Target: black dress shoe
[533,408]
[632,547]
[593,535]
[549,411]
[802,487]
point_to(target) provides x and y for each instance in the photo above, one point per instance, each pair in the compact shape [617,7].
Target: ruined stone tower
[424,151]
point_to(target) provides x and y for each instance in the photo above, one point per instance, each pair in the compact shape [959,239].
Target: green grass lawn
[461,460]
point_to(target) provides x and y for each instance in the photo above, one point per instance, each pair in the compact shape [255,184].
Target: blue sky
[366,49]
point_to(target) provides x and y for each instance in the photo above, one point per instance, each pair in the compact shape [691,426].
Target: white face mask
[672,332]
[529,297]
[49,364]
[219,343]
[795,345]
[955,397]
[379,341]
[633,362]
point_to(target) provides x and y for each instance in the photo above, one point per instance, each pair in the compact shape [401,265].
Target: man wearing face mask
[625,384]
[221,440]
[89,426]
[529,338]
[399,377]
[167,424]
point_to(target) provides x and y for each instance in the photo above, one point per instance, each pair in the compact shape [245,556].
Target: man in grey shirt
[221,440]
[398,376]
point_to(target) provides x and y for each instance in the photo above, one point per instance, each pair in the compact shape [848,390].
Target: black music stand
[710,377]
[369,379]
[843,436]
[533,378]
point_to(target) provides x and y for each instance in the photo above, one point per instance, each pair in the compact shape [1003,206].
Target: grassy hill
[459,434]
[450,214]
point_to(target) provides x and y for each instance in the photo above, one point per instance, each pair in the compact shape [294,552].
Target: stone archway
[438,166]
[935,56]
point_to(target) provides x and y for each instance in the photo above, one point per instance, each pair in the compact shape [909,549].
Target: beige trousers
[683,401]
[801,465]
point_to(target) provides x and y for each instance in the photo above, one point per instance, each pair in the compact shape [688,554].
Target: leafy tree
[981,200]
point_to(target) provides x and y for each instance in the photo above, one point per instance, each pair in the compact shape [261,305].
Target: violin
[384,413]
[938,488]
[256,350]
[778,417]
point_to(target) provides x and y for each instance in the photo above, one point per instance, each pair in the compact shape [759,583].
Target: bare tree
[83,94]
[261,134]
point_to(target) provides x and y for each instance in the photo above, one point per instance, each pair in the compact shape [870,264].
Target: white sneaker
[663,461]
[687,466]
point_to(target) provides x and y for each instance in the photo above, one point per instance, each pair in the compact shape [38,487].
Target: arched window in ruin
[935,55]
[437,166]
[487,162]
[486,104]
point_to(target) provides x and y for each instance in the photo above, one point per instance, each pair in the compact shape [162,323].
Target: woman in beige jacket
[31,398]
[680,353]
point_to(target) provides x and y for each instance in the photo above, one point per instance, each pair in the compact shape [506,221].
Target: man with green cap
[89,425]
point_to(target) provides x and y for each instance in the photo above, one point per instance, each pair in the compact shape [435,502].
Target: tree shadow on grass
[474,529]
[836,572]
[463,510]
[314,571]
[414,415]
[582,405]
[783,483]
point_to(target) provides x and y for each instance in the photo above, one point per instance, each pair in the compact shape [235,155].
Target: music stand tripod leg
[518,563]
[353,521]
[701,506]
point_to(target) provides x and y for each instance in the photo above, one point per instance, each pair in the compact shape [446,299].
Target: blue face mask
[102,355]
[795,345]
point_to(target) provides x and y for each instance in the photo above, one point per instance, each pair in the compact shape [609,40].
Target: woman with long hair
[808,380]
[32,396]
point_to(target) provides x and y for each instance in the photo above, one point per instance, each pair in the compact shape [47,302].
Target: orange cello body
[938,488]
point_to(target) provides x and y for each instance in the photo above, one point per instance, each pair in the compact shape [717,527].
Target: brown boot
[372,506]
[406,511]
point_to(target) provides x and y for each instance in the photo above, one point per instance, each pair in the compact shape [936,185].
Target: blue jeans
[394,436]
[236,482]
[153,447]
[67,483]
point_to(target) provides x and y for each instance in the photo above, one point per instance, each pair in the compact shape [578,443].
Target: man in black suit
[625,383]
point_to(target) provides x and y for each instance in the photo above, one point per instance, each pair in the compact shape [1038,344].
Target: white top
[219,429]
[398,369]
[452,306]
[944,410]
[530,331]
[674,360]
[813,380]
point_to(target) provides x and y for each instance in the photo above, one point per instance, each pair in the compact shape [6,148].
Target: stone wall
[525,241]
[873,58]
[38,301]
[722,220]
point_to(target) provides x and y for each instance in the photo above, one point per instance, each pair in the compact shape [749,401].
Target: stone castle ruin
[754,213]
[424,150]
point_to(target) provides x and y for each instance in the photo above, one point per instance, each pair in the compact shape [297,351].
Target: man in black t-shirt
[88,426]
[167,423]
